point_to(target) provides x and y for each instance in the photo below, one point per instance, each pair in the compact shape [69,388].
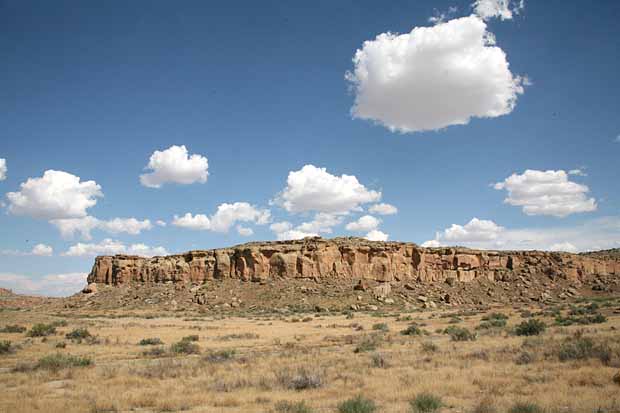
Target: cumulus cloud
[244,231]
[383,209]
[578,172]
[3,169]
[55,195]
[315,189]
[502,9]
[365,223]
[175,165]
[321,223]
[602,233]
[376,235]
[40,250]
[160,223]
[112,247]
[433,77]
[224,218]
[284,231]
[55,285]
[546,193]
[69,227]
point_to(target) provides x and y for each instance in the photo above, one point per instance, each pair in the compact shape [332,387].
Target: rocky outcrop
[350,258]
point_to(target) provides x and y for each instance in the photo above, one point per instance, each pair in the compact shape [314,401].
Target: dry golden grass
[276,359]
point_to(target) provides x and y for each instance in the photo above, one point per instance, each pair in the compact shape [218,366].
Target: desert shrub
[597,318]
[154,352]
[493,320]
[284,406]
[42,330]
[412,330]
[460,334]
[578,347]
[455,320]
[381,327]
[429,347]
[59,323]
[302,379]
[55,362]
[357,404]
[531,327]
[425,403]
[14,328]
[495,316]
[78,334]
[242,336]
[151,341]
[525,407]
[193,337]
[220,356]
[61,344]
[368,343]
[524,358]
[380,361]
[185,347]
[404,318]
[5,347]
[616,378]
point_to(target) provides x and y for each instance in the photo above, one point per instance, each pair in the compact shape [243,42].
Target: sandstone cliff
[350,258]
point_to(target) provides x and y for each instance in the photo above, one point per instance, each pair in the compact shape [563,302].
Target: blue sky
[260,90]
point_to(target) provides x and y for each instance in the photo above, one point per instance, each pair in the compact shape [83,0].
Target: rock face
[350,258]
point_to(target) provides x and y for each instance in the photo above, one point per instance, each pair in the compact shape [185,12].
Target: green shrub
[5,347]
[193,337]
[429,347]
[412,330]
[426,403]
[495,316]
[13,329]
[493,320]
[532,327]
[381,327]
[380,361]
[42,330]
[185,347]
[154,352]
[61,344]
[597,318]
[151,341]
[525,407]
[59,361]
[284,406]
[579,347]
[357,404]
[221,356]
[78,334]
[460,334]
[368,343]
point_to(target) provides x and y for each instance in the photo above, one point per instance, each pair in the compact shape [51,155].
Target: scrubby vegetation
[42,330]
[13,328]
[152,341]
[357,404]
[531,327]
[59,361]
[426,403]
[460,334]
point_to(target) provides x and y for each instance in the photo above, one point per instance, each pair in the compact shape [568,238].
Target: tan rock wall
[347,258]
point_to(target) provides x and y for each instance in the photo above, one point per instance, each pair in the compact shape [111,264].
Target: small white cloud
[175,165]
[3,169]
[376,235]
[42,250]
[431,244]
[315,189]
[546,193]
[294,234]
[578,172]
[224,218]
[244,231]
[55,195]
[502,9]
[279,227]
[112,247]
[322,222]
[160,223]
[440,17]
[476,230]
[563,246]
[57,285]
[365,223]
[433,77]
[383,209]
[69,227]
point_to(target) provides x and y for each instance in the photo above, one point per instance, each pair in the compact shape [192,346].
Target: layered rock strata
[348,258]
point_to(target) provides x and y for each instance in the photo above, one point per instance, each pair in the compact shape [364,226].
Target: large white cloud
[321,223]
[315,189]
[175,165]
[602,233]
[224,218]
[488,9]
[3,169]
[112,247]
[383,209]
[69,227]
[55,195]
[546,193]
[433,77]
[40,250]
[58,285]
[365,223]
